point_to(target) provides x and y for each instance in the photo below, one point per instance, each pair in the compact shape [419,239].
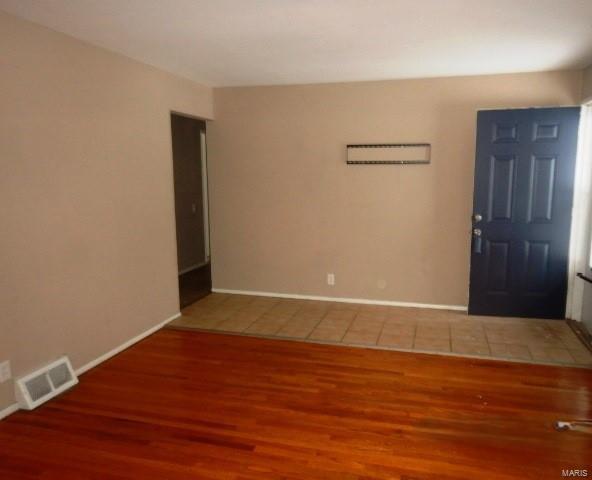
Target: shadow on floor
[194,285]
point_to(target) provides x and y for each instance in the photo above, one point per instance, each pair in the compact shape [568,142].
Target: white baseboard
[9,410]
[365,301]
[123,346]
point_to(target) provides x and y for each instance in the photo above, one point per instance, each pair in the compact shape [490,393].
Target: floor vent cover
[38,387]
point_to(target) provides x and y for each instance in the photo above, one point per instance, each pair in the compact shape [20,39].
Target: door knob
[477,232]
[477,217]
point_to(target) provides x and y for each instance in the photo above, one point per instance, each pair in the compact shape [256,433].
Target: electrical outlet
[331,279]
[5,374]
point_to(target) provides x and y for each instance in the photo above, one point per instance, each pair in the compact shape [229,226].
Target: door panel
[501,188]
[540,196]
[524,175]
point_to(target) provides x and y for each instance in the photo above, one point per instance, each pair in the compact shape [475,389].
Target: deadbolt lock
[477,217]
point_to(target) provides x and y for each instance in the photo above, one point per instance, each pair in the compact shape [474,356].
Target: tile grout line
[348,327]
[414,336]
[298,310]
[318,323]
[267,311]
[256,319]
[381,330]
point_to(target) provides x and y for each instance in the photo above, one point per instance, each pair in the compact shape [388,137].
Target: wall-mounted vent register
[49,381]
[388,154]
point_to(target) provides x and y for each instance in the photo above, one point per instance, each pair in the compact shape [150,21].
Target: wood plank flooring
[191,405]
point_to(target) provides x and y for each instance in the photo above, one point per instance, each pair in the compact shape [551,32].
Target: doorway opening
[191,207]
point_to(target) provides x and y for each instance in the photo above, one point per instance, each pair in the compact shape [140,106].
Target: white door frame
[581,225]
[205,193]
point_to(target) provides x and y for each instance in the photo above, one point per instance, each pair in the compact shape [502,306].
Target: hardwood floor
[191,405]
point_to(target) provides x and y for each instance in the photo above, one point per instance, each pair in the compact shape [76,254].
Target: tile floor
[397,328]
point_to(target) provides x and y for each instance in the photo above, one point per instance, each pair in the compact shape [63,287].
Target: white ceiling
[263,42]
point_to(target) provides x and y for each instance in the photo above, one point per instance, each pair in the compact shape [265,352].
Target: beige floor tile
[256,309]
[308,316]
[433,330]
[336,323]
[253,313]
[341,315]
[491,324]
[522,337]
[268,329]
[284,310]
[373,308]
[504,350]
[472,338]
[265,301]
[235,301]
[197,322]
[550,354]
[366,325]
[582,356]
[400,312]
[370,317]
[182,321]
[557,325]
[466,322]
[237,323]
[468,334]
[298,327]
[569,339]
[470,347]
[327,334]
[395,340]
[212,300]
[267,325]
[495,336]
[313,312]
[400,329]
[429,314]
[432,344]
[344,306]
[400,320]
[390,327]
[361,337]
[219,313]
[545,342]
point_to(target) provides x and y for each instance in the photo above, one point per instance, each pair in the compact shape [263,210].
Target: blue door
[524,175]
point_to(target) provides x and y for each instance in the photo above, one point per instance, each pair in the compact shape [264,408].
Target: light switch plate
[5,374]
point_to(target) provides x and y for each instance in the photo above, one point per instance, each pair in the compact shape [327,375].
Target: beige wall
[286,209]
[587,84]
[88,240]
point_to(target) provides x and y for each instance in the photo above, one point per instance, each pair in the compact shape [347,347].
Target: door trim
[579,248]
[205,193]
